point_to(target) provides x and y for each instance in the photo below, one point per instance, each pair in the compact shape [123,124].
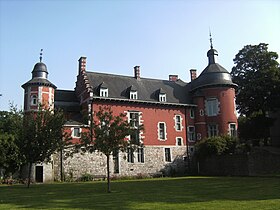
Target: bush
[86,178]
[216,145]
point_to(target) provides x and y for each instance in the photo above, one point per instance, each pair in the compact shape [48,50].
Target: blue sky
[163,37]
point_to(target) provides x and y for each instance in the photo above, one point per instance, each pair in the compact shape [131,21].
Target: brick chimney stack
[193,74]
[82,64]
[173,78]
[137,72]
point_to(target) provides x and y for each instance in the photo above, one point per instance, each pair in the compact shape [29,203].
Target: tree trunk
[29,175]
[108,174]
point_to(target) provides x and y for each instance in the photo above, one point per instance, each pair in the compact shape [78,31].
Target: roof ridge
[132,77]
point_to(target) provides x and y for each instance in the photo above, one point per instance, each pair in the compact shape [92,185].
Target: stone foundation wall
[95,163]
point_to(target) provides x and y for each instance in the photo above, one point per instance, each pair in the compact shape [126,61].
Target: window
[133,94]
[232,129]
[104,92]
[140,155]
[192,113]
[178,123]
[212,130]
[167,155]
[76,132]
[212,107]
[191,133]
[179,141]
[130,155]
[134,119]
[161,131]
[191,150]
[134,122]
[162,97]
[34,100]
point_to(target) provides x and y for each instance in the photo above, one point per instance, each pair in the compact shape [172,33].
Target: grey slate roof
[148,89]
[66,100]
[38,81]
[213,75]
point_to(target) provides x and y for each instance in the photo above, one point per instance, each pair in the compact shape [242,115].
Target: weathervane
[41,54]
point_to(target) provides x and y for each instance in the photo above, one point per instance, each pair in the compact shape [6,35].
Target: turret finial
[41,54]
[211,43]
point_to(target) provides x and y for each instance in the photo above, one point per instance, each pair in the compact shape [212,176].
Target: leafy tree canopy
[42,135]
[257,74]
[108,134]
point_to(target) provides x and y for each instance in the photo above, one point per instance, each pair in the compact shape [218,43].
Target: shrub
[216,145]
[86,178]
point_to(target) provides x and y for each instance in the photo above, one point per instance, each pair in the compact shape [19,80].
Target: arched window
[34,100]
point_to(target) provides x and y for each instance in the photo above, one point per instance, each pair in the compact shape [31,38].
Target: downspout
[187,140]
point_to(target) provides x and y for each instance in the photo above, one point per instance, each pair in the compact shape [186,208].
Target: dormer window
[104,92]
[162,97]
[133,94]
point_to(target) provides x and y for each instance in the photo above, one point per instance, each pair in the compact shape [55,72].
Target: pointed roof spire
[41,54]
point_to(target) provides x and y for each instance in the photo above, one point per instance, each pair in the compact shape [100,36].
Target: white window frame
[104,92]
[162,97]
[178,124]
[73,132]
[169,159]
[213,130]
[191,134]
[133,95]
[181,140]
[164,130]
[34,100]
[212,107]
[232,133]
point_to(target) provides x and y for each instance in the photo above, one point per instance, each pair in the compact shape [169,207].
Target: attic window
[162,97]
[104,92]
[133,94]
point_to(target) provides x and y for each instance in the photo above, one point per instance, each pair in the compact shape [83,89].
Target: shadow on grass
[176,193]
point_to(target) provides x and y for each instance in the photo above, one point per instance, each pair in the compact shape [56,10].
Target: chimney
[137,72]
[193,74]
[82,64]
[173,78]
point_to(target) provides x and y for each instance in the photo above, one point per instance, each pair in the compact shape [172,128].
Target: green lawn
[165,193]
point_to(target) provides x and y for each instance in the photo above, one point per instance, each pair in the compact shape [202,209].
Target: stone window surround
[191,139]
[177,140]
[165,149]
[73,132]
[165,132]
[176,122]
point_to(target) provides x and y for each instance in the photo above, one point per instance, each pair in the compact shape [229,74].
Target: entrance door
[39,174]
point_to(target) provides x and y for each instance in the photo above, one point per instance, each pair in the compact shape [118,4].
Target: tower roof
[40,70]
[213,75]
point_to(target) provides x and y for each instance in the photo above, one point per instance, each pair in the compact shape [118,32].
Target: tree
[9,154]
[41,136]
[10,127]
[257,74]
[108,136]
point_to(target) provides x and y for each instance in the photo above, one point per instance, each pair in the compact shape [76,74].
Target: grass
[164,193]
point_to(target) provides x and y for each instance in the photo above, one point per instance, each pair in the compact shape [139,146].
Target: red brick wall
[151,115]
